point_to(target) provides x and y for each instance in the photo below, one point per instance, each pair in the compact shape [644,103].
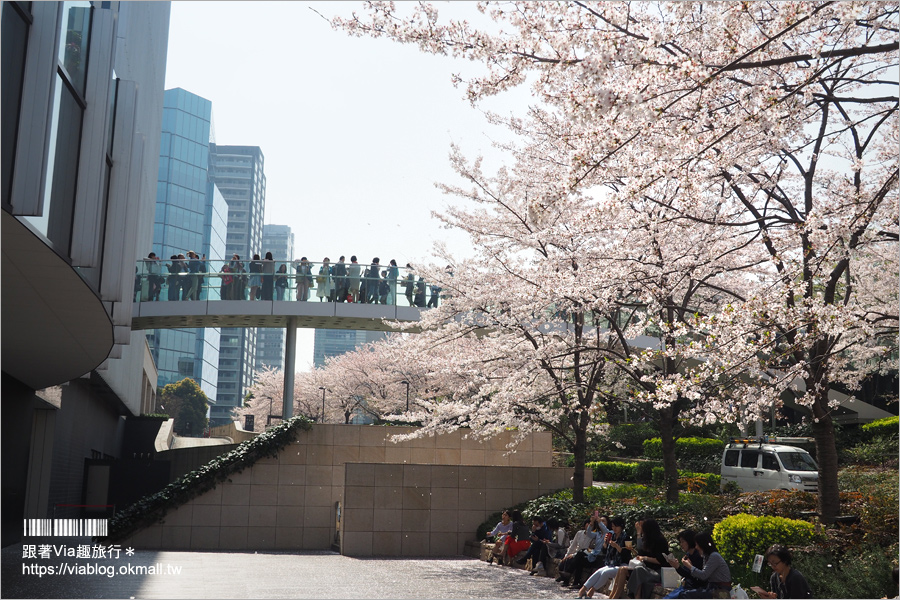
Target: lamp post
[322,387]
[406,383]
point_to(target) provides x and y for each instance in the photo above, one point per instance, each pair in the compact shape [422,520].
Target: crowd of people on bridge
[260,279]
[601,560]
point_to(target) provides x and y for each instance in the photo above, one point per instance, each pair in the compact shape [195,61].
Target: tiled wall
[288,502]
[431,510]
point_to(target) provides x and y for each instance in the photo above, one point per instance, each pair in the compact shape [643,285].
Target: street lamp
[322,387]
[406,383]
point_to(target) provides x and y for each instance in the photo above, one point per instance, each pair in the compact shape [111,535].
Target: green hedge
[888,426]
[604,470]
[686,447]
[710,481]
[741,537]
[623,471]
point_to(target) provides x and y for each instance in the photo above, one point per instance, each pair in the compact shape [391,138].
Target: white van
[766,464]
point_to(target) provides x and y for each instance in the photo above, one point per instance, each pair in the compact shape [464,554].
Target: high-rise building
[334,342]
[279,240]
[190,215]
[238,172]
[82,94]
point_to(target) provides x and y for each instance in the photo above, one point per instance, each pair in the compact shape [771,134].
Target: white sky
[355,131]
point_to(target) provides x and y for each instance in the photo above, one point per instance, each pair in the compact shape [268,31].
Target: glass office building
[334,342]
[279,240]
[239,172]
[191,214]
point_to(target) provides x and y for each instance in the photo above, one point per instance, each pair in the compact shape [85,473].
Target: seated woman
[553,547]
[692,553]
[786,582]
[590,561]
[517,541]
[582,541]
[498,535]
[715,574]
[539,533]
[616,555]
[652,548]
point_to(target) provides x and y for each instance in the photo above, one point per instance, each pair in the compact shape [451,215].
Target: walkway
[272,575]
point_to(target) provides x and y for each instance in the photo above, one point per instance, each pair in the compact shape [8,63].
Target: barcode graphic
[65,527]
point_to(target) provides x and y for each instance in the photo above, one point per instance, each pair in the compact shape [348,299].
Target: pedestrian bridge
[262,313]
[206,293]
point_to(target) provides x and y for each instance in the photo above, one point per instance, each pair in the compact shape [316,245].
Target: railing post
[290,357]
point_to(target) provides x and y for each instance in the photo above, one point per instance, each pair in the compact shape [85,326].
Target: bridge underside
[246,313]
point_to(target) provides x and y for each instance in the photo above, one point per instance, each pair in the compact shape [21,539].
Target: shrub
[776,503]
[741,537]
[628,439]
[613,471]
[551,506]
[887,427]
[645,470]
[865,574]
[693,482]
[705,450]
[880,451]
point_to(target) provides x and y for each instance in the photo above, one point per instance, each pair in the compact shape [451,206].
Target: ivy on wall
[153,509]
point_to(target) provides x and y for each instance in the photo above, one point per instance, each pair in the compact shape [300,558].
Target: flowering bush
[882,427]
[741,537]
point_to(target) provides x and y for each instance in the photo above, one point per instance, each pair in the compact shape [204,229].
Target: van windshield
[797,461]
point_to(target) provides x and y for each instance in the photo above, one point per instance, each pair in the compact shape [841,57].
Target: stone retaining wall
[290,502]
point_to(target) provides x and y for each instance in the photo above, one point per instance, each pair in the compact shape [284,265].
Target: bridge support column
[290,357]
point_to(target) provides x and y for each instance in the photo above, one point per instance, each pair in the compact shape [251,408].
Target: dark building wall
[17,415]
[86,427]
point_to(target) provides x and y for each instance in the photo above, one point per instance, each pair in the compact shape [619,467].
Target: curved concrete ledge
[164,437]
[55,327]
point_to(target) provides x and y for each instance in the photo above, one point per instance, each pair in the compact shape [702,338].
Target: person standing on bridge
[281,281]
[339,272]
[238,281]
[353,271]
[268,277]
[392,276]
[409,283]
[172,279]
[323,281]
[255,276]
[304,279]
[372,280]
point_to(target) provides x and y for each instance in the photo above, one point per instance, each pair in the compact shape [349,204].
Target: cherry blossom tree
[774,124]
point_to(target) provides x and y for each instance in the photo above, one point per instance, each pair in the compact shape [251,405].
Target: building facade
[334,342]
[190,214]
[239,173]
[82,93]
[279,240]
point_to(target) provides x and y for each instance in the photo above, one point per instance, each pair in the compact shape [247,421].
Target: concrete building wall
[441,488]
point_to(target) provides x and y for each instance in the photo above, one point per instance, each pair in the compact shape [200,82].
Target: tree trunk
[579,452]
[666,436]
[826,455]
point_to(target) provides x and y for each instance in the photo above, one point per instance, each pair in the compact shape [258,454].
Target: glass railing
[206,280]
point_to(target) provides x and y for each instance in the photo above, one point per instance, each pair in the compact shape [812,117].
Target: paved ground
[224,575]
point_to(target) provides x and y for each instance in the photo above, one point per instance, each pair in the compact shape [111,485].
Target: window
[15,21]
[769,462]
[749,459]
[797,461]
[731,458]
